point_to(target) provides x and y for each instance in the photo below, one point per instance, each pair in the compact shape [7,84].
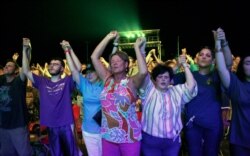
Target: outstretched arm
[102,72]
[72,60]
[139,47]
[220,35]
[26,60]
[190,81]
[221,64]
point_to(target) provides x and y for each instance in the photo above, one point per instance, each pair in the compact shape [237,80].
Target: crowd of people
[131,107]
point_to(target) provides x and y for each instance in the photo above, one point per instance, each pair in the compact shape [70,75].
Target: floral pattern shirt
[119,120]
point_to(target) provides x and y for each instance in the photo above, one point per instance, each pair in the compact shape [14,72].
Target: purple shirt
[55,100]
[239,92]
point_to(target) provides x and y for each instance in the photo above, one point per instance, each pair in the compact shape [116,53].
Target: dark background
[84,23]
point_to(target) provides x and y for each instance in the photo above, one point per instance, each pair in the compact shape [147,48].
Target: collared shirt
[161,115]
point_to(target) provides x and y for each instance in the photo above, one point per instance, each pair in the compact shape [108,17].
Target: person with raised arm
[120,129]
[237,87]
[14,134]
[55,105]
[202,116]
[162,104]
[90,87]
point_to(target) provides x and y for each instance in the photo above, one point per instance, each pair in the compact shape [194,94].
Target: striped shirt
[161,115]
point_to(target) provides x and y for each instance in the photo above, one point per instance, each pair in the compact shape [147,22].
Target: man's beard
[56,73]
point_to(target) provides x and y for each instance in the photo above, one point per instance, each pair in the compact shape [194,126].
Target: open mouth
[163,83]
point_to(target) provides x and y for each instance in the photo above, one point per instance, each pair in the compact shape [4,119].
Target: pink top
[119,122]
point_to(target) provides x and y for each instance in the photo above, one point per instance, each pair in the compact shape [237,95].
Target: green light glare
[132,34]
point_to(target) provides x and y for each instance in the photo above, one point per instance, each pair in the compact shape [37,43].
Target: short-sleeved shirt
[13,109]
[206,106]
[91,103]
[55,101]
[239,92]
[161,115]
[119,119]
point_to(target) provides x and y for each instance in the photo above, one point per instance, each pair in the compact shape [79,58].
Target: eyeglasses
[54,64]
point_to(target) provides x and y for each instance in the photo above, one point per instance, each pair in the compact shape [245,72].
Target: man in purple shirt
[55,104]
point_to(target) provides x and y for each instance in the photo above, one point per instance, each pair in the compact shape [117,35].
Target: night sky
[84,23]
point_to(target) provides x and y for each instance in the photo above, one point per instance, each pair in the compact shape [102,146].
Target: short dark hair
[161,69]
[13,61]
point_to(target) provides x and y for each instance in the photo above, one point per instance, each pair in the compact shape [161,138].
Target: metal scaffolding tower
[128,38]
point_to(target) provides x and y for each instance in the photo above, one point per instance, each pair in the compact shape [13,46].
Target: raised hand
[65,45]
[140,43]
[26,43]
[15,56]
[219,36]
[27,47]
[182,60]
[184,51]
[113,35]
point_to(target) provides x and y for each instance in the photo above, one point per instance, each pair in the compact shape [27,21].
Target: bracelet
[224,44]
[67,51]
[115,44]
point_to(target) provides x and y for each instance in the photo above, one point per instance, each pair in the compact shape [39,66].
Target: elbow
[93,57]
[192,85]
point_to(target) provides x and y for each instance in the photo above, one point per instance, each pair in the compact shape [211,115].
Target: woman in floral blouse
[121,129]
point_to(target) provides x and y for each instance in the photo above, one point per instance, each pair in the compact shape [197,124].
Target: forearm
[97,53]
[190,81]
[227,54]
[75,60]
[95,57]
[26,67]
[222,68]
[142,66]
[70,62]
[72,67]
[25,62]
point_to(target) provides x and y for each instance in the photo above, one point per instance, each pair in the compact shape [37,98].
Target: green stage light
[132,35]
